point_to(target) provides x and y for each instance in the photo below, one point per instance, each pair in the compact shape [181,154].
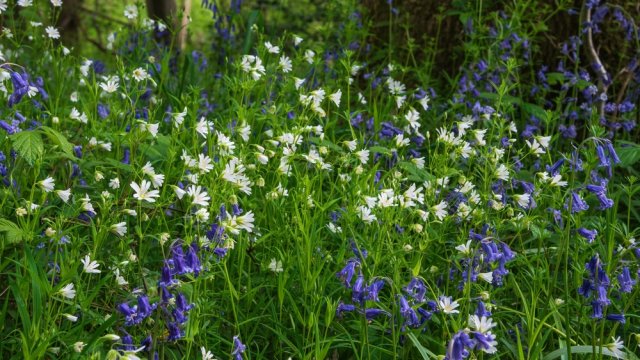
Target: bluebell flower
[372,313]
[374,289]
[358,291]
[416,289]
[554,169]
[175,332]
[166,279]
[145,308]
[457,348]
[619,318]
[604,160]
[576,204]
[408,313]
[625,281]
[589,235]
[342,307]
[346,274]
[481,310]
[130,313]
[192,260]
[485,341]
[238,348]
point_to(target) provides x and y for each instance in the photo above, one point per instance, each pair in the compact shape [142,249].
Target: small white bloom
[56,3]
[64,195]
[481,324]
[447,306]
[285,64]
[47,184]
[271,48]
[142,191]
[70,317]
[206,355]
[309,55]
[336,96]
[119,228]
[131,12]
[78,346]
[52,32]
[68,291]
[90,266]
[140,74]
[25,3]
[114,183]
[275,266]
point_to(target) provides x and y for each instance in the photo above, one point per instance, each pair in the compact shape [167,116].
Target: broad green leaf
[28,144]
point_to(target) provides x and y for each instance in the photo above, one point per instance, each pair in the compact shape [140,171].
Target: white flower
[56,3]
[52,32]
[478,135]
[440,210]
[366,215]
[464,249]
[178,118]
[119,228]
[523,200]
[119,278]
[68,291]
[616,347]
[25,3]
[204,163]
[363,156]
[90,266]
[70,317]
[3,7]
[114,183]
[131,12]
[78,346]
[206,355]
[447,306]
[110,86]
[143,193]
[336,96]
[544,141]
[202,215]
[234,173]
[285,64]
[535,147]
[486,276]
[157,180]
[309,55]
[198,195]
[557,181]
[502,172]
[225,144]
[481,324]
[140,74]
[203,126]
[275,266]
[297,40]
[272,49]
[179,192]
[47,184]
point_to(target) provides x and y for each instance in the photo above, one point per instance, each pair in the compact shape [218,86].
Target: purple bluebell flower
[481,310]
[374,289]
[625,281]
[408,313]
[238,348]
[175,332]
[166,279]
[576,204]
[416,289]
[457,348]
[619,318]
[346,274]
[589,235]
[485,342]
[372,313]
[342,307]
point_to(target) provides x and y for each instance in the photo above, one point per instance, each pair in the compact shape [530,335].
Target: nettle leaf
[59,140]
[13,232]
[28,144]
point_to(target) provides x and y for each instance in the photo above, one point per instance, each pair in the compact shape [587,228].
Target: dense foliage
[311,195]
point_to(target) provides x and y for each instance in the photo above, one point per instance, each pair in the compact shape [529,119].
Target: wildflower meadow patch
[242,186]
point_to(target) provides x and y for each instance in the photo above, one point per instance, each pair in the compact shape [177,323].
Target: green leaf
[583,349]
[629,153]
[60,140]
[28,144]
[426,354]
[13,232]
